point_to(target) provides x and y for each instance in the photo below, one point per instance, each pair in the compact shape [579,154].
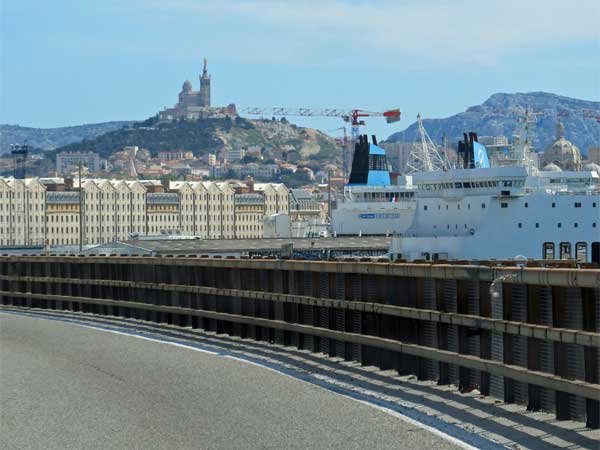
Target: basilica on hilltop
[193,105]
[562,154]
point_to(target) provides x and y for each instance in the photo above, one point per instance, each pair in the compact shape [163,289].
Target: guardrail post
[429,335]
[340,316]
[28,272]
[235,275]
[592,355]
[356,325]
[547,362]
[448,333]
[9,269]
[292,310]
[571,362]
[248,305]
[278,307]
[371,325]
[472,336]
[307,314]
[407,330]
[497,353]
[324,319]
[263,306]
[485,337]
[517,349]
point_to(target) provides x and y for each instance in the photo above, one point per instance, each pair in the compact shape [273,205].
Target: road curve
[63,386]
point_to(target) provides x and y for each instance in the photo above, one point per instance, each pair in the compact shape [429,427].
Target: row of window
[565,250]
[558,225]
[505,205]
[470,185]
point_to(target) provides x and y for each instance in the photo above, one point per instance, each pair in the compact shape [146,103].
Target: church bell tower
[205,87]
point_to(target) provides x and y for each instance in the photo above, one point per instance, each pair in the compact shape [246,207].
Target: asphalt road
[67,387]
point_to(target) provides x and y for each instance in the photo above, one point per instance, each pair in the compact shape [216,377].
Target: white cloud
[341,31]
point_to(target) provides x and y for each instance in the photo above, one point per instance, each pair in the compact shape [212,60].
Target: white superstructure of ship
[477,212]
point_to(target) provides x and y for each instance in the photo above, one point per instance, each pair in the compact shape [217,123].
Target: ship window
[458,206]
[595,252]
[559,225]
[577,205]
[565,250]
[425,207]
[526,205]
[593,224]
[468,206]
[575,225]
[548,250]
[439,206]
[448,226]
[520,225]
[581,251]
[457,185]
[467,184]
[537,225]
[446,206]
[483,206]
[503,205]
[594,205]
[553,204]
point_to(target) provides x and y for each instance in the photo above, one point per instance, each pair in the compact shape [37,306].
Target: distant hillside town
[193,141]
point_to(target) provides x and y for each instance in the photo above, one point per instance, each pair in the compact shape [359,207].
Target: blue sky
[73,62]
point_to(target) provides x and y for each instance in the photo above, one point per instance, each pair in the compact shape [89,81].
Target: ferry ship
[474,211]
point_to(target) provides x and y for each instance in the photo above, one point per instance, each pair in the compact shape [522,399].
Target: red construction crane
[354,116]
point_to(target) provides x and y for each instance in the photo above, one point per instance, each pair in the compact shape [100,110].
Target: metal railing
[438,321]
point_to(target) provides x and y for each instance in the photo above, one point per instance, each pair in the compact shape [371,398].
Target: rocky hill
[51,138]
[212,135]
[497,116]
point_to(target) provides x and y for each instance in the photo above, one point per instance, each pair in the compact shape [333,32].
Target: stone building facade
[69,161]
[117,210]
[562,153]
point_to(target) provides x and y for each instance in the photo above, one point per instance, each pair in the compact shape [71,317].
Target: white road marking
[322,379]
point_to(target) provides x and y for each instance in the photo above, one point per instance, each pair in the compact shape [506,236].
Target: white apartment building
[276,197]
[249,215]
[22,212]
[49,213]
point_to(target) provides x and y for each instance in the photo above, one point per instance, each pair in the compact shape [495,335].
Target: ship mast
[425,157]
[523,140]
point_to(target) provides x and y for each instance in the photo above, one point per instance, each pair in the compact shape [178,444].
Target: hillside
[210,136]
[51,138]
[497,116]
